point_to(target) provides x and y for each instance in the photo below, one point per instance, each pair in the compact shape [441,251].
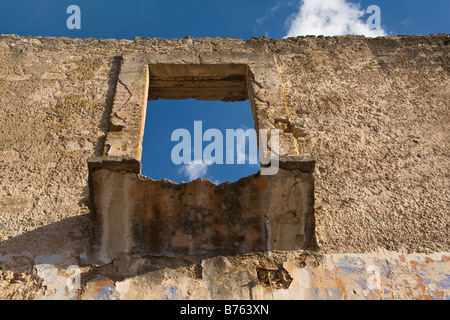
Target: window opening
[231,123]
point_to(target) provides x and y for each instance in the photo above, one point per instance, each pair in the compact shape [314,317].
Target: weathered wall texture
[134,214]
[374,114]
[377,118]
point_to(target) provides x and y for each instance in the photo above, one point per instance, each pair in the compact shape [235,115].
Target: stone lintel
[303,163]
[127,164]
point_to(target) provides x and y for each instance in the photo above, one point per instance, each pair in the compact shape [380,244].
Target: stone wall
[134,214]
[373,113]
[376,117]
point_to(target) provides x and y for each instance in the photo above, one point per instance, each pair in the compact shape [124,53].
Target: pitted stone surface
[373,113]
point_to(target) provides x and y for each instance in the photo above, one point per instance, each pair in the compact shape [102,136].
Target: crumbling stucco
[373,113]
[135,214]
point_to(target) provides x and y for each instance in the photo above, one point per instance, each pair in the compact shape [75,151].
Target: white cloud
[194,171]
[271,12]
[406,22]
[330,18]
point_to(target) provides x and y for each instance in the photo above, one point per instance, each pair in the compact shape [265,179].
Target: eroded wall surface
[374,114]
[376,118]
[135,214]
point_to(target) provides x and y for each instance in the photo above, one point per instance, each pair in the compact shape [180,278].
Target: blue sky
[213,115]
[121,19]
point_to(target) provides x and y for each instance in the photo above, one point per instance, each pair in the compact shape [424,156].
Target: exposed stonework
[134,214]
[373,113]
[234,77]
[377,119]
[224,82]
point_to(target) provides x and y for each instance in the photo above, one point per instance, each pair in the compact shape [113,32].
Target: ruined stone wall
[54,98]
[374,114]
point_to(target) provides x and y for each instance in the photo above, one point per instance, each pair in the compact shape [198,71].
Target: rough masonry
[368,220]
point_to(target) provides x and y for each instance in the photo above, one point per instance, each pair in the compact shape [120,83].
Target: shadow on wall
[51,253]
[113,75]
[60,243]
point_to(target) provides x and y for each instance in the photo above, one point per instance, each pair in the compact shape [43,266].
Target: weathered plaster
[373,113]
[135,214]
